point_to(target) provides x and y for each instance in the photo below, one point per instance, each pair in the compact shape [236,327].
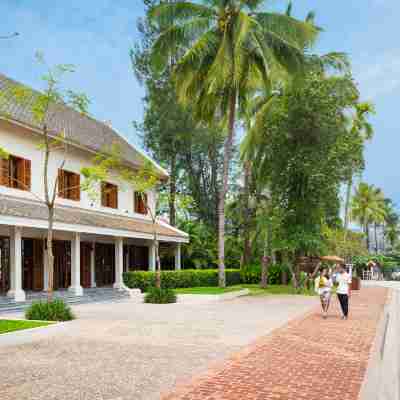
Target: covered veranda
[85,256]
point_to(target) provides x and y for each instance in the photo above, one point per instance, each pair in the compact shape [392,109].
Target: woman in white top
[343,280]
[323,286]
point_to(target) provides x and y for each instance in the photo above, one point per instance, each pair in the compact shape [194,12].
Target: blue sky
[96,36]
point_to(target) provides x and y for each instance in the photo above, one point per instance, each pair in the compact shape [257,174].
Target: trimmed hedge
[252,274]
[144,280]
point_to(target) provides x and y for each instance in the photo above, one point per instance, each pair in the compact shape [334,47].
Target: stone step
[89,296]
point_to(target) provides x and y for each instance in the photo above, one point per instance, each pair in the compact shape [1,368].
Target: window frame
[105,199]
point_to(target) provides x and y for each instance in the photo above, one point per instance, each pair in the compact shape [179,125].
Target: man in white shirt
[343,281]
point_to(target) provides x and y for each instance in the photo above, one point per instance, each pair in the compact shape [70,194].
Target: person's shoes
[324,316]
[343,317]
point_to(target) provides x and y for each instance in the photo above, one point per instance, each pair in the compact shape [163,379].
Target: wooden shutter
[136,202]
[26,176]
[4,172]
[114,197]
[144,203]
[76,189]
[61,183]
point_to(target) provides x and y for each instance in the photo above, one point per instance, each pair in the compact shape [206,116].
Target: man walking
[343,280]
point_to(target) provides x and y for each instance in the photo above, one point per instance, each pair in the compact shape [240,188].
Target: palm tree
[362,131]
[367,207]
[224,49]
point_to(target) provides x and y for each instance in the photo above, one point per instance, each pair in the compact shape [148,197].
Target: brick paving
[308,359]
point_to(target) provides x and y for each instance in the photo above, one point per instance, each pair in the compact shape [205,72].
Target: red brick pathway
[308,359]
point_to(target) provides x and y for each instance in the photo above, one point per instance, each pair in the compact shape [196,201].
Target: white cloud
[379,77]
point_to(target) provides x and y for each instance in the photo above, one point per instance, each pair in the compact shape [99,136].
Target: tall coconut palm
[362,131]
[367,207]
[223,49]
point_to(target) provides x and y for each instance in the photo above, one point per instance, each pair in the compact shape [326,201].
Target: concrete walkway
[310,359]
[135,351]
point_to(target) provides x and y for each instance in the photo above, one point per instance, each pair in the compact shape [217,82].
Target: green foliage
[160,296]
[179,279]
[252,274]
[55,310]
[301,155]
[17,325]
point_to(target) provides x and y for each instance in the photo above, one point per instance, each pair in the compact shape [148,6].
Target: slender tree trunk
[172,191]
[376,238]
[246,217]
[50,255]
[222,195]
[347,206]
[367,235]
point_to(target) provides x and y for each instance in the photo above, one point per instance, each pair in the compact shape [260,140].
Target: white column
[119,263]
[16,264]
[152,257]
[76,287]
[178,264]
[93,266]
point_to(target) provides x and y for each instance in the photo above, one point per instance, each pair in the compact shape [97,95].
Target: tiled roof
[12,206]
[79,129]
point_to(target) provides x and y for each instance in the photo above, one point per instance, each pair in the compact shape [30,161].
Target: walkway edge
[381,380]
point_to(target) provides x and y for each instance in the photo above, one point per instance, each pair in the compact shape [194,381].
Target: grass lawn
[8,325]
[255,290]
[207,290]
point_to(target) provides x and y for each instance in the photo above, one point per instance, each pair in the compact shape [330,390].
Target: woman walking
[343,280]
[323,286]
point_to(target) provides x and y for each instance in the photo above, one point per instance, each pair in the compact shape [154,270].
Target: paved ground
[310,359]
[135,351]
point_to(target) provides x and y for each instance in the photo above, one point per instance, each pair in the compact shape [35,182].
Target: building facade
[96,238]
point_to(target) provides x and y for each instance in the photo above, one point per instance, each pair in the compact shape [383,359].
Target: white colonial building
[95,239]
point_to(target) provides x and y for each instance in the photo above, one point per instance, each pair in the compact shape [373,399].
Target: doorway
[105,264]
[32,262]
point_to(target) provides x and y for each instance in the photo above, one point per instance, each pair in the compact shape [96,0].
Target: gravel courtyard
[135,351]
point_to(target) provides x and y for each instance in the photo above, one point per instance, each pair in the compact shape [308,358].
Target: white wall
[23,143]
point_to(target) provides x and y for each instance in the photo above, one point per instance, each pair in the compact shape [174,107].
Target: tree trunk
[172,191]
[50,255]
[367,236]
[376,238]
[347,207]
[224,189]
[246,217]
[265,260]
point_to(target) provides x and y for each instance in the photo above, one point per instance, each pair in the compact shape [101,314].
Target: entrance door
[62,264]
[4,265]
[86,249]
[105,264]
[32,261]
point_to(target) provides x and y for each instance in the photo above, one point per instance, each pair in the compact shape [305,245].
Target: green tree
[367,207]
[226,48]
[300,152]
[359,130]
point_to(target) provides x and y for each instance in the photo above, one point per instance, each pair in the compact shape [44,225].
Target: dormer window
[69,185]
[15,172]
[140,203]
[109,195]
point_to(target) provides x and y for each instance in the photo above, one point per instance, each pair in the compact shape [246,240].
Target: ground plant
[157,295]
[54,310]
[7,325]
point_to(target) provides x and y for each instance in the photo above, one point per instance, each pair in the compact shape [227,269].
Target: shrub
[252,274]
[160,296]
[145,280]
[55,310]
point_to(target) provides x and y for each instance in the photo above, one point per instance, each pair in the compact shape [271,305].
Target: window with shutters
[15,172]
[109,195]
[69,185]
[140,203]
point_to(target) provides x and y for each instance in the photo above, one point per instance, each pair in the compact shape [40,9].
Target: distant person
[323,286]
[343,281]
